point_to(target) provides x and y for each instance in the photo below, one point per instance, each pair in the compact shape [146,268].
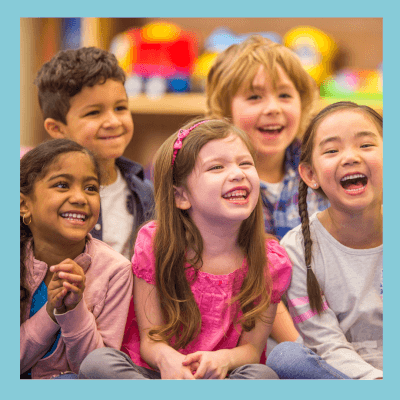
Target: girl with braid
[336,294]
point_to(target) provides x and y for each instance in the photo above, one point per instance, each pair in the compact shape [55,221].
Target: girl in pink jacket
[74,290]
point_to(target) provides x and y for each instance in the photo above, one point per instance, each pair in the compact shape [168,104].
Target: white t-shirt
[117,221]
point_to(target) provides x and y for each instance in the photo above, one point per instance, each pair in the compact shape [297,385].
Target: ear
[181,198]
[56,129]
[24,205]
[308,175]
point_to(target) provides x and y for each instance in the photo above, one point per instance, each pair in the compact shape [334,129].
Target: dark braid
[313,288]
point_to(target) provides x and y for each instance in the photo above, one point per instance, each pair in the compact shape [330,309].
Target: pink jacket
[97,321]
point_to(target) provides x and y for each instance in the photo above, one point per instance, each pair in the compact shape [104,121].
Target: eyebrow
[338,139]
[71,177]
[101,104]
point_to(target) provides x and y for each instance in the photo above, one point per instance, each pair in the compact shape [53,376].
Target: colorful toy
[156,58]
[315,49]
[354,84]
[218,41]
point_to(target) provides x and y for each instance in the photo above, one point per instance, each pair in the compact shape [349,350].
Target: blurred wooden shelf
[195,104]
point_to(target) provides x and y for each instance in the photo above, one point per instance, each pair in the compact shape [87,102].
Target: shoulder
[104,257]
[133,174]
[143,261]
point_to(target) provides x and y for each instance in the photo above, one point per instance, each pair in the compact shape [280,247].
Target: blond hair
[176,233]
[237,66]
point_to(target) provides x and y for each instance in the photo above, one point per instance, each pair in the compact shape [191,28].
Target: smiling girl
[336,294]
[207,277]
[75,290]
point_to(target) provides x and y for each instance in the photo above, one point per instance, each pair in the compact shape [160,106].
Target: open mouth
[236,195]
[271,129]
[74,216]
[354,182]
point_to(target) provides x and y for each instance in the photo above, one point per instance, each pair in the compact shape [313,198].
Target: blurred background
[167,60]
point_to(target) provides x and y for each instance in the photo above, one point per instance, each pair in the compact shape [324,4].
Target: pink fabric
[97,321]
[211,292]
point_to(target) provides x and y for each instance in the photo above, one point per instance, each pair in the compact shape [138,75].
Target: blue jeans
[295,361]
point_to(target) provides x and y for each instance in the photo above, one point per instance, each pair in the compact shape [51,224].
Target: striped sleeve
[321,333]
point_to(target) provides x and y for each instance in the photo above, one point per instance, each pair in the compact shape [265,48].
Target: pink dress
[212,293]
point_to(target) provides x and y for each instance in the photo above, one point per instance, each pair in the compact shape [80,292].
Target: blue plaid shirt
[283,215]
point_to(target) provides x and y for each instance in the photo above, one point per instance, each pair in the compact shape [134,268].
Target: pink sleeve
[143,260]
[280,268]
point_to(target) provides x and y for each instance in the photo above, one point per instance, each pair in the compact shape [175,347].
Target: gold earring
[23,220]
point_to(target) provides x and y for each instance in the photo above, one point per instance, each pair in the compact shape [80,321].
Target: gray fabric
[348,335]
[108,363]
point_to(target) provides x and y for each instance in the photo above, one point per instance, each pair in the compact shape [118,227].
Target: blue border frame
[9,233]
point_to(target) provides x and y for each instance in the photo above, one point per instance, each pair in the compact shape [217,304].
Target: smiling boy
[83,98]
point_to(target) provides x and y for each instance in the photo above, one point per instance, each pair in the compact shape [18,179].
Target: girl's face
[269,115]
[65,203]
[223,186]
[347,161]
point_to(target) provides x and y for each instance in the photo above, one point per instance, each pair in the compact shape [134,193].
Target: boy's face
[269,114]
[99,119]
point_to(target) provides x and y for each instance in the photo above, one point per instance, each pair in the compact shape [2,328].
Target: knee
[286,353]
[93,365]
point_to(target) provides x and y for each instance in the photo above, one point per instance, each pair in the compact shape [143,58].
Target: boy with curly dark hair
[83,98]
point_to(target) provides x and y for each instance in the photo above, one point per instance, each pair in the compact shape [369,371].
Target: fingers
[57,296]
[191,358]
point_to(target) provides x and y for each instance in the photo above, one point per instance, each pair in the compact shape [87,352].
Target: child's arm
[85,330]
[159,355]
[322,333]
[283,329]
[216,364]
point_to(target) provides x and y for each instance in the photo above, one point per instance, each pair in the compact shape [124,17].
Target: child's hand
[56,293]
[209,364]
[72,279]
[173,368]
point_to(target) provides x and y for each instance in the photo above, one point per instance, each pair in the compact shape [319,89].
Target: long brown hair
[237,66]
[313,288]
[33,166]
[176,233]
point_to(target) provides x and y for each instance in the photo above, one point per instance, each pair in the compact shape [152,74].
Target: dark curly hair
[68,72]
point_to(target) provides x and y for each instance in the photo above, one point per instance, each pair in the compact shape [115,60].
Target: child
[263,88]
[75,290]
[215,294]
[335,297]
[82,97]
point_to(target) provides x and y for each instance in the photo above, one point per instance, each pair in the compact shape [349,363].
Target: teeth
[236,193]
[271,128]
[354,176]
[73,216]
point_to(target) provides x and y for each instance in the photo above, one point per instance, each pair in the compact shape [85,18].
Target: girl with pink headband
[207,277]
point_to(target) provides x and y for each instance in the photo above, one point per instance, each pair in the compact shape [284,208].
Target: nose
[236,173]
[77,196]
[271,105]
[351,156]
[111,120]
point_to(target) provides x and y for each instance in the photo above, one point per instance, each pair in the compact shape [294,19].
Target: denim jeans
[295,361]
[108,363]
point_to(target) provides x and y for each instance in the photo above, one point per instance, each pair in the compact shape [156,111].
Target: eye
[249,163]
[366,145]
[254,97]
[61,185]
[332,151]
[92,188]
[121,108]
[91,113]
[285,95]
[215,167]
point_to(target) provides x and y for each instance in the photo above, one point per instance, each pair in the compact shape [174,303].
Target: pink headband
[181,135]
